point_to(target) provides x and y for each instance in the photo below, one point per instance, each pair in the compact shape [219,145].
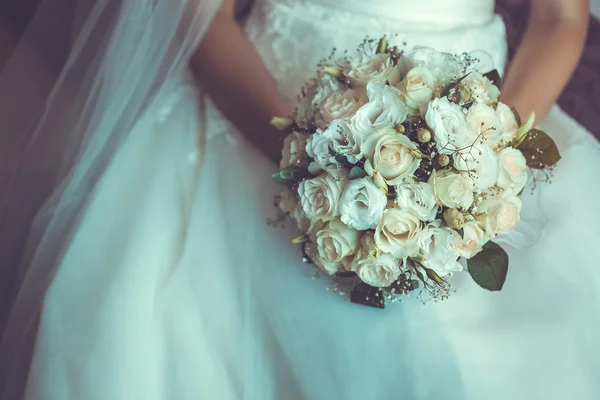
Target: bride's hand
[547,56]
[231,71]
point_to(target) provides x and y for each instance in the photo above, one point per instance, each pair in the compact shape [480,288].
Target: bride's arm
[231,71]
[548,55]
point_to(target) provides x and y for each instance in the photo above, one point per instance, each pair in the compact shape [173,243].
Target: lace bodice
[445,12]
[293,35]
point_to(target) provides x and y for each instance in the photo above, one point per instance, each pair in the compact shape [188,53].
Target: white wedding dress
[175,288]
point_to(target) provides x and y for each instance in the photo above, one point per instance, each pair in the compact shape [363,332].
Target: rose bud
[443,160]
[424,135]
[454,218]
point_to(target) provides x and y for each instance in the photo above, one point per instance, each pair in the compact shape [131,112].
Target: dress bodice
[442,12]
[292,36]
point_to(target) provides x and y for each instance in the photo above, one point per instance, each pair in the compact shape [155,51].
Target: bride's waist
[389,15]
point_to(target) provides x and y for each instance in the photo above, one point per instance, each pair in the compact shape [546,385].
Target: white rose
[509,122]
[342,105]
[362,204]
[485,124]
[436,246]
[417,197]
[384,109]
[381,271]
[480,163]
[451,190]
[320,196]
[398,233]
[513,170]
[500,214]
[335,242]
[390,154]
[418,89]
[378,68]
[472,241]
[337,137]
[443,66]
[449,126]
[294,151]
[290,204]
[481,89]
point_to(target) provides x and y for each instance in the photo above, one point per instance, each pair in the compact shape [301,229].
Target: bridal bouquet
[403,164]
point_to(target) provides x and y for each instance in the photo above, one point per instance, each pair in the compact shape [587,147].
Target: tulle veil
[77,81]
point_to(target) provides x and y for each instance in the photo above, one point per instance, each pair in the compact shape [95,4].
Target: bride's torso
[293,35]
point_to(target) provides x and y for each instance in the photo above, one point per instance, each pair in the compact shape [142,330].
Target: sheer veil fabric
[62,124]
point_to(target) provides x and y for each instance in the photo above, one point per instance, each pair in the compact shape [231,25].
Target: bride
[155,275]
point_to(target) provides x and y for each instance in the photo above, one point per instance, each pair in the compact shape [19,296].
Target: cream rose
[294,151]
[290,205]
[390,154]
[342,105]
[485,124]
[384,109]
[362,204]
[443,66]
[368,248]
[379,271]
[449,126]
[336,242]
[451,190]
[472,241]
[320,196]
[501,214]
[339,138]
[417,90]
[509,123]
[417,197]
[435,244]
[480,163]
[377,68]
[513,170]
[480,88]
[398,233]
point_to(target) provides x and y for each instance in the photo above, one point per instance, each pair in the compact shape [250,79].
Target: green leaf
[357,172]
[343,161]
[524,129]
[489,267]
[431,274]
[334,71]
[539,149]
[281,123]
[494,76]
[290,175]
[300,239]
[382,45]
